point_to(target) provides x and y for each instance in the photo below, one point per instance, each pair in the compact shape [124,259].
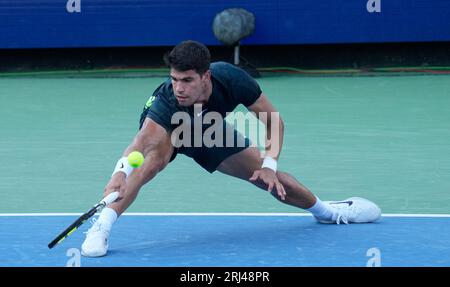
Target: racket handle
[110,198]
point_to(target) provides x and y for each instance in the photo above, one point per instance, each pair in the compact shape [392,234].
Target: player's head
[189,55]
[189,69]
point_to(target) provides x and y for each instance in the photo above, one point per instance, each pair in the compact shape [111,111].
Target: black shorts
[211,157]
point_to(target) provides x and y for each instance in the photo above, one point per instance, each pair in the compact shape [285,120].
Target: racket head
[110,198]
[74,226]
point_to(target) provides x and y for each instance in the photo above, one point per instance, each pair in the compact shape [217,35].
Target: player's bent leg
[352,210]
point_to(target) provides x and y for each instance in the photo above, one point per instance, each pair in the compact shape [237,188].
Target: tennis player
[197,88]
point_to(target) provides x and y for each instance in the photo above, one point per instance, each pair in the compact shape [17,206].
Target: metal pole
[236,54]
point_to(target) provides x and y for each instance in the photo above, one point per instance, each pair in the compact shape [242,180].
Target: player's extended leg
[352,210]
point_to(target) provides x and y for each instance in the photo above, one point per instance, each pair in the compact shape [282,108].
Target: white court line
[216,214]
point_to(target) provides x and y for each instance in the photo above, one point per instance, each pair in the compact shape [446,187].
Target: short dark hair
[189,55]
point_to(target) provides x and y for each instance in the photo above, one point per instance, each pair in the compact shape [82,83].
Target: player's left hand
[270,179]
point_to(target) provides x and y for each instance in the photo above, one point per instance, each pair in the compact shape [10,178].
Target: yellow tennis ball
[135,159]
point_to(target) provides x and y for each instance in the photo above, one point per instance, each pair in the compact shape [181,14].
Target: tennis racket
[110,198]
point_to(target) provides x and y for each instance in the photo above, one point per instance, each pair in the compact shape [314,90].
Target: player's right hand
[116,183]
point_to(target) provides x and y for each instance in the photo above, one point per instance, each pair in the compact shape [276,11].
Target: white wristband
[123,166]
[270,162]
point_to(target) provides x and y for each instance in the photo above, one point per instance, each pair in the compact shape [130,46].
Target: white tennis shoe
[96,242]
[353,210]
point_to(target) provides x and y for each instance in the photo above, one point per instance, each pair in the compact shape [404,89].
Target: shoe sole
[92,255]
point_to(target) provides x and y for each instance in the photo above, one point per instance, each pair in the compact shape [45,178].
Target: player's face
[189,87]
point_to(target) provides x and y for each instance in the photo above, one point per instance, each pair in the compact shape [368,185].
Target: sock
[107,217]
[321,210]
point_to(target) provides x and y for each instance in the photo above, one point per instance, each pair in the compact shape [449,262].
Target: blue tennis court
[233,240]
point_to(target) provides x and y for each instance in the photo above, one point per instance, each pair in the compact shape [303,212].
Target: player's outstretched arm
[154,143]
[270,117]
